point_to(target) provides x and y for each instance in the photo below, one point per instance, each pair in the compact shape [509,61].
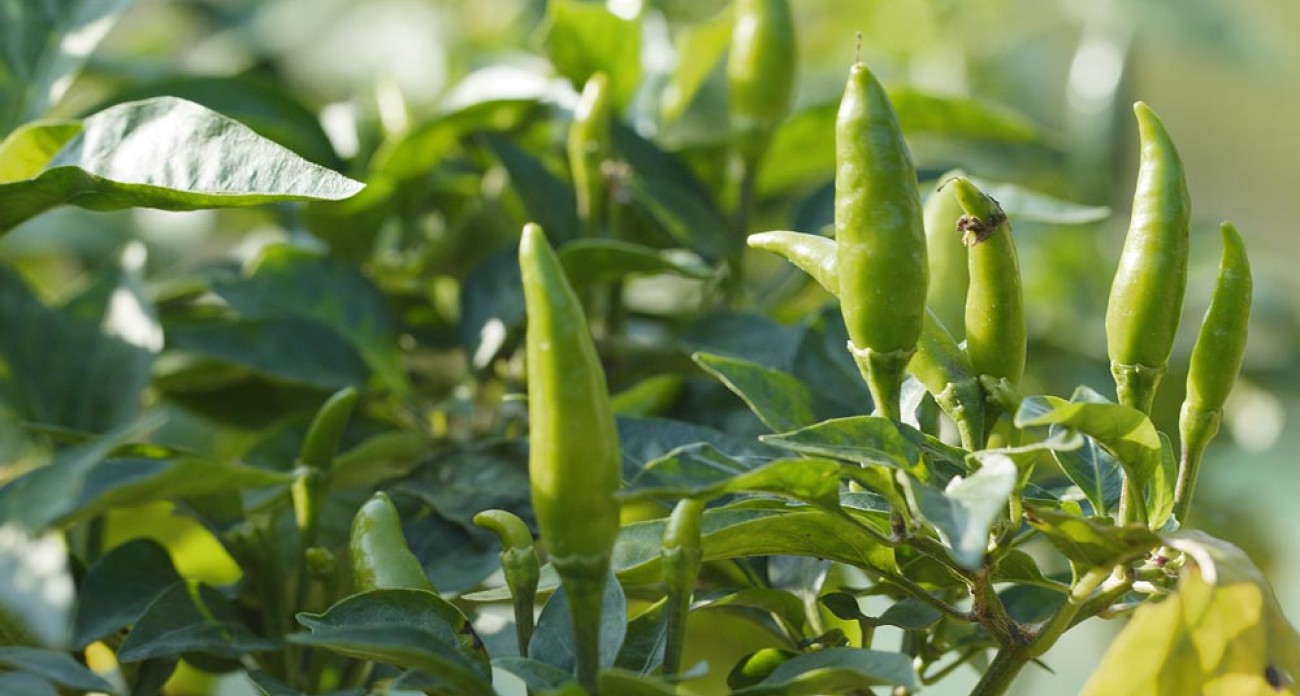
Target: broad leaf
[835,670]
[25,151]
[1094,471]
[583,38]
[643,646]
[787,607]
[46,44]
[491,306]
[861,439]
[170,154]
[535,674]
[1125,431]
[780,400]
[412,629]
[548,200]
[1221,633]
[552,641]
[83,365]
[57,667]
[1090,542]
[590,261]
[644,440]
[965,511]
[23,684]
[291,349]
[118,589]
[190,617]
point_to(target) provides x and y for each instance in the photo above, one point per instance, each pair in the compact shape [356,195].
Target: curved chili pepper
[588,147]
[1216,360]
[995,303]
[519,564]
[1146,298]
[378,552]
[881,260]
[574,465]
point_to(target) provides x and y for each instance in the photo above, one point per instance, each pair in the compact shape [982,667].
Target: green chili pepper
[1216,360]
[316,456]
[520,566]
[995,304]
[949,274]
[1146,298]
[881,264]
[588,146]
[938,363]
[760,72]
[574,464]
[681,564]
[378,552]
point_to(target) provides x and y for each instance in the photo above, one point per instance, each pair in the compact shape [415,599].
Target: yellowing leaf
[1221,634]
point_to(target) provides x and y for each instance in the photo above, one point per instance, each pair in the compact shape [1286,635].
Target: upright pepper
[881,262]
[1146,298]
[588,147]
[760,72]
[574,465]
[1216,360]
[949,274]
[995,303]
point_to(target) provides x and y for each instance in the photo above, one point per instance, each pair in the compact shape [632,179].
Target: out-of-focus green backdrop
[1223,74]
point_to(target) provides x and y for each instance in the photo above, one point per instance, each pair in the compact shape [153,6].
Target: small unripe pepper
[520,566]
[682,557]
[760,72]
[879,230]
[1146,298]
[574,465]
[1216,360]
[316,457]
[995,303]
[588,148]
[378,553]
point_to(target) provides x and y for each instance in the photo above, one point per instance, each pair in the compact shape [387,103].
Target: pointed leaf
[965,511]
[1090,542]
[552,640]
[590,261]
[780,400]
[118,589]
[1125,431]
[1160,494]
[170,154]
[23,684]
[1094,471]
[57,667]
[643,647]
[190,617]
[548,200]
[862,439]
[583,38]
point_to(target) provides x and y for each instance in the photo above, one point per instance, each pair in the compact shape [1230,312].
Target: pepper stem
[1197,429]
[585,591]
[681,566]
[1135,386]
[884,373]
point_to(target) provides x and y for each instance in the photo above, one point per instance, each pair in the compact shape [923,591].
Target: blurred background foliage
[453,112]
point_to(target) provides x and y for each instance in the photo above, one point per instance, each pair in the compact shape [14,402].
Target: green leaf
[1019,567]
[46,43]
[1160,494]
[911,614]
[36,589]
[411,629]
[1022,204]
[643,646]
[170,154]
[1221,632]
[861,439]
[590,261]
[66,492]
[190,617]
[26,151]
[835,670]
[548,200]
[22,684]
[644,440]
[491,306]
[57,667]
[626,683]
[787,607]
[290,349]
[699,50]
[270,686]
[552,641]
[1125,431]
[1094,471]
[82,366]
[965,511]
[780,400]
[118,589]
[1089,542]
[535,674]
[286,281]
[584,38]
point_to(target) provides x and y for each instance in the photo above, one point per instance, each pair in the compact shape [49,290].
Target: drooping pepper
[881,260]
[995,303]
[1146,298]
[1216,360]
[520,566]
[760,72]
[574,465]
[378,553]
[588,148]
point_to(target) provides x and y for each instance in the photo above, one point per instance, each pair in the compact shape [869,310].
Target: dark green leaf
[1019,567]
[644,440]
[535,674]
[1094,471]
[171,154]
[643,647]
[460,483]
[85,365]
[911,614]
[57,667]
[965,511]
[491,306]
[821,363]
[780,400]
[412,629]
[1092,543]
[583,38]
[291,349]
[548,200]
[1031,604]
[190,617]
[118,589]
[46,43]
[152,675]
[23,684]
[835,670]
[552,640]
[590,261]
